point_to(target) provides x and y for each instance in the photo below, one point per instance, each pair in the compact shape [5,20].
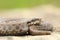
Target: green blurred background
[9,4]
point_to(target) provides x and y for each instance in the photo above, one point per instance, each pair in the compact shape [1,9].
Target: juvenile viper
[11,26]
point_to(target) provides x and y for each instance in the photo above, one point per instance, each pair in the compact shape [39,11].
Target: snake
[18,27]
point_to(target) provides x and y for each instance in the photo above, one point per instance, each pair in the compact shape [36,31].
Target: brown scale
[10,27]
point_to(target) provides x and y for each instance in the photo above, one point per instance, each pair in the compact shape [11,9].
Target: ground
[53,36]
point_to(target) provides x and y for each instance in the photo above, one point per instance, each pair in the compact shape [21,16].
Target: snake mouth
[35,31]
[39,27]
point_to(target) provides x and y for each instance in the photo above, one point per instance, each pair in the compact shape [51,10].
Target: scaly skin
[13,27]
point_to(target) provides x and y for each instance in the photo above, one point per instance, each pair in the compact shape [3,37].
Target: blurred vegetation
[8,4]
